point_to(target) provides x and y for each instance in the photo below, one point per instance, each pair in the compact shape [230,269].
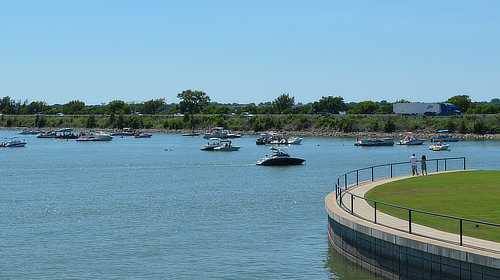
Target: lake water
[161,208]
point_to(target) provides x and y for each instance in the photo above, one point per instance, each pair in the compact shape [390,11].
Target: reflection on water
[340,268]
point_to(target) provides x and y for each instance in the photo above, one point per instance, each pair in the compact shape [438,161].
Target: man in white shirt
[413,161]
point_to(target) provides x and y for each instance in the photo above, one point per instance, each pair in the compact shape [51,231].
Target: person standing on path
[423,160]
[413,161]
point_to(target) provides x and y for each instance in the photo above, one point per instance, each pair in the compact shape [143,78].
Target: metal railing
[341,191]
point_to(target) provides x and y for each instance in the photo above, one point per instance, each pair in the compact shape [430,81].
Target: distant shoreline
[424,134]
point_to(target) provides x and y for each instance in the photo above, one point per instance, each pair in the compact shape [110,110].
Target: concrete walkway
[363,210]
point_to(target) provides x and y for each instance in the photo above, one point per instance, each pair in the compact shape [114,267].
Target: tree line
[198,102]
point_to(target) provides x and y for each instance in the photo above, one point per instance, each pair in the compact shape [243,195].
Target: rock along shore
[309,132]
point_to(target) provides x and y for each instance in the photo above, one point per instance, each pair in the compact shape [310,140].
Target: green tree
[73,107]
[283,102]
[152,106]
[7,105]
[36,107]
[118,107]
[385,108]
[329,104]
[402,101]
[462,102]
[224,110]
[210,109]
[91,122]
[306,109]
[266,110]
[365,107]
[40,121]
[480,127]
[251,108]
[193,101]
[389,126]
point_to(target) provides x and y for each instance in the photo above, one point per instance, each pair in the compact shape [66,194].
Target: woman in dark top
[423,161]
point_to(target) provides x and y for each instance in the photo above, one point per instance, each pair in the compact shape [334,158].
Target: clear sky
[97,51]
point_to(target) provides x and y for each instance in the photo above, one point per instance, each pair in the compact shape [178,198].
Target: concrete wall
[394,255]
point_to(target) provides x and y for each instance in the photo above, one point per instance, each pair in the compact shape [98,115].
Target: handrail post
[445,168]
[409,220]
[375,214]
[391,170]
[345,181]
[340,197]
[437,165]
[372,173]
[461,232]
[357,177]
[464,163]
[352,203]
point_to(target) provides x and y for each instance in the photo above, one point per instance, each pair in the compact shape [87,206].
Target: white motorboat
[226,146]
[93,137]
[220,132]
[126,131]
[277,139]
[143,135]
[279,158]
[211,144]
[30,132]
[439,147]
[13,141]
[410,139]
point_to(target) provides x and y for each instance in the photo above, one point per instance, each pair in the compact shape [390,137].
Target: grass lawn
[473,195]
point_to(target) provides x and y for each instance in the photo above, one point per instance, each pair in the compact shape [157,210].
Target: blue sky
[249,51]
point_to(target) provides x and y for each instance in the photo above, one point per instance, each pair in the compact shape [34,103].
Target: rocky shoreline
[424,134]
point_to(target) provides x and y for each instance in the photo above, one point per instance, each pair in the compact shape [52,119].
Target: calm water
[160,208]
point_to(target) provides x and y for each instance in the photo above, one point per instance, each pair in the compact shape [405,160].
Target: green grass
[473,195]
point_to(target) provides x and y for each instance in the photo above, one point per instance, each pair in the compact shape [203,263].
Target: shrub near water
[347,123]
[472,195]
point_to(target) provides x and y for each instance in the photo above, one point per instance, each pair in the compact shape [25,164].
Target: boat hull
[226,149]
[445,139]
[411,142]
[278,161]
[94,138]
[14,145]
[444,147]
[364,143]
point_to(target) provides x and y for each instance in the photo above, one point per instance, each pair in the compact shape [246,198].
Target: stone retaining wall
[397,255]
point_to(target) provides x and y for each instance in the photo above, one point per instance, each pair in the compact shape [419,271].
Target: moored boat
[226,146]
[47,134]
[142,135]
[279,158]
[126,131]
[93,137]
[66,133]
[30,132]
[12,142]
[220,132]
[211,144]
[277,139]
[444,137]
[374,142]
[439,147]
[410,139]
